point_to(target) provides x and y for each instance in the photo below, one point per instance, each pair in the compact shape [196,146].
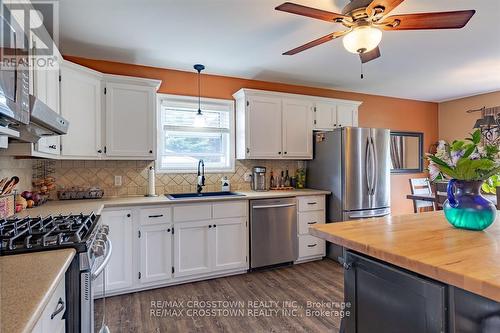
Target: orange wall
[376,111]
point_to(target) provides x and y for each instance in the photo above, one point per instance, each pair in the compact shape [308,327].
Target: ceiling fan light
[362,39]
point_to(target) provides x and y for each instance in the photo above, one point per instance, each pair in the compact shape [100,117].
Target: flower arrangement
[465,160]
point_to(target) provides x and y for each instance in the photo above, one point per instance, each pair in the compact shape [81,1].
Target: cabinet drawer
[310,246]
[313,202]
[307,219]
[156,215]
[52,316]
[230,209]
[192,212]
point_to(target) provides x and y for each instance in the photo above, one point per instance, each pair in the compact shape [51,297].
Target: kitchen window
[182,144]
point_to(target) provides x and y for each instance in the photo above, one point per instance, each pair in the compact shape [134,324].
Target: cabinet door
[81,101]
[264,127]
[155,253]
[297,129]
[45,86]
[324,116]
[120,267]
[230,243]
[130,120]
[192,248]
[346,115]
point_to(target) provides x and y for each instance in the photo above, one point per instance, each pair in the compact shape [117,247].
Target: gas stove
[20,235]
[83,232]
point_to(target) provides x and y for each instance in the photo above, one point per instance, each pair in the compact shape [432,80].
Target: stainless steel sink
[177,196]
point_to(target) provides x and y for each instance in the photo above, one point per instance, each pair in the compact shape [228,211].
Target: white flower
[434,171]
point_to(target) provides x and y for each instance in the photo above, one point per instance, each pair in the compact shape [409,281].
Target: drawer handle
[312,203]
[312,222]
[153,216]
[59,308]
[312,245]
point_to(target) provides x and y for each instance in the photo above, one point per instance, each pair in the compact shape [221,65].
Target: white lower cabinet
[228,237]
[164,245]
[192,248]
[155,253]
[311,211]
[52,318]
[119,271]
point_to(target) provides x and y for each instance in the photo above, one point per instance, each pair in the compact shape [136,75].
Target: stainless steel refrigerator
[354,164]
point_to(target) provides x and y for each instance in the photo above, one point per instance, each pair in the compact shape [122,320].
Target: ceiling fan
[365,20]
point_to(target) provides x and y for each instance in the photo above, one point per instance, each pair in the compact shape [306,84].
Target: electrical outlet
[118,180]
[247,177]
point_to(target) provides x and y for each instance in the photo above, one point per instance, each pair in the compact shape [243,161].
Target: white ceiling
[245,38]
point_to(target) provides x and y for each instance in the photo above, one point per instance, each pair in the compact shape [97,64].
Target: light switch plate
[118,180]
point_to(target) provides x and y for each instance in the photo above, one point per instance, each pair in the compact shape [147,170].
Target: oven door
[88,283]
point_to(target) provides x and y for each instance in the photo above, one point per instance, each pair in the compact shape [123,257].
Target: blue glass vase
[466,208]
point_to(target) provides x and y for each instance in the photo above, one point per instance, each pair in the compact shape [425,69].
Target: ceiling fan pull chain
[362,75]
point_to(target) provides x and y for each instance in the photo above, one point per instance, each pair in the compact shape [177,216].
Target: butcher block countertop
[96,206]
[27,282]
[426,244]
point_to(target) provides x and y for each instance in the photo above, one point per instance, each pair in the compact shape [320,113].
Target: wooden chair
[421,186]
[441,195]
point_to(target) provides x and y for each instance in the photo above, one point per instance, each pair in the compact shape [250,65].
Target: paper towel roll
[151,181]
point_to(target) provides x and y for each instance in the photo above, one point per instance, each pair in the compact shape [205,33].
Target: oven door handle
[109,250]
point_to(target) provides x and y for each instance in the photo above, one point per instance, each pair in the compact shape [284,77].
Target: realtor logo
[29,30]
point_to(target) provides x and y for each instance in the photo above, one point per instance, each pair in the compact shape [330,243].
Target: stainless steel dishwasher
[273,232]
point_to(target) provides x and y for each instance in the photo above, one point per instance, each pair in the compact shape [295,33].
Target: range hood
[43,122]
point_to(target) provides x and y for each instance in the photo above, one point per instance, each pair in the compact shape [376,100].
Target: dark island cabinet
[387,299]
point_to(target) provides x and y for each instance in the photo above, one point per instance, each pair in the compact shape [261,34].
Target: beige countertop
[27,282]
[427,244]
[87,206]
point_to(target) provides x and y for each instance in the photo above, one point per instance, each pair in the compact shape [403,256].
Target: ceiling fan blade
[386,5]
[369,56]
[309,12]
[442,20]
[316,42]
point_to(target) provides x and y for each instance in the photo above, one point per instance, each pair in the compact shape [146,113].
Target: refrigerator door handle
[375,167]
[368,173]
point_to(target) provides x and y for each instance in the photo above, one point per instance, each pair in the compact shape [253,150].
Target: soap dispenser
[225,184]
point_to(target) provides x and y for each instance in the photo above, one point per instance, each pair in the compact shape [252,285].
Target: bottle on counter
[272,181]
[286,182]
[282,179]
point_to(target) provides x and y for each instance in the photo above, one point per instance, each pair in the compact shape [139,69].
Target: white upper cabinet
[81,103]
[44,85]
[329,115]
[272,125]
[130,117]
[264,127]
[297,128]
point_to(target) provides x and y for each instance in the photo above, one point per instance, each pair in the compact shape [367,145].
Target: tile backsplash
[22,168]
[135,176]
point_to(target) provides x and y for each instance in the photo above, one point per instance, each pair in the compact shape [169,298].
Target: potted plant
[468,164]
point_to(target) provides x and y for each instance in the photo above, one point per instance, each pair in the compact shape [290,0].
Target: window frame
[192,102]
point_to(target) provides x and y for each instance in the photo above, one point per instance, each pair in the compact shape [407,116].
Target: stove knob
[102,237]
[98,250]
[104,229]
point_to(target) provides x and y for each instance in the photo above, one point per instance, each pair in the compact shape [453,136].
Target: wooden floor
[320,281]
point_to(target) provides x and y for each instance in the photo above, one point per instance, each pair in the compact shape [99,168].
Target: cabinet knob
[279,153]
[100,151]
[128,215]
[215,225]
[286,153]
[53,147]
[150,151]
[210,226]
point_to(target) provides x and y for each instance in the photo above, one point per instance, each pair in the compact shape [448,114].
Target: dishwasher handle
[274,206]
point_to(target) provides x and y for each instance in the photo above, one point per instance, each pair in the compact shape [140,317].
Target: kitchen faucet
[201,176]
